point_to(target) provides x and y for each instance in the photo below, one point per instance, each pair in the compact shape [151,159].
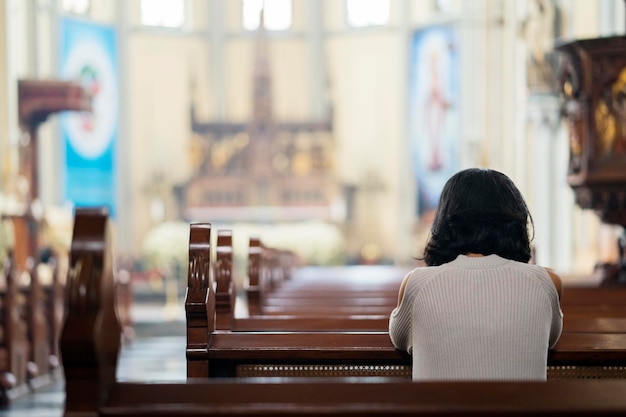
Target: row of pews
[329,371]
[31,313]
[32,304]
[334,323]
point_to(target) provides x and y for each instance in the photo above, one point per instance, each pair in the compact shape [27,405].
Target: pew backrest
[199,300]
[90,339]
[225,290]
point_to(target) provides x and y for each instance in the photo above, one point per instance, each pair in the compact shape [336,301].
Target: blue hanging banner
[89,55]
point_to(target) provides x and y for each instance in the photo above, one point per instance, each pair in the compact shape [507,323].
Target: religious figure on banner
[437,104]
[435,126]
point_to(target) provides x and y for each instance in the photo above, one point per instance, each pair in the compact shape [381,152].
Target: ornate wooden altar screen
[592,78]
[38,99]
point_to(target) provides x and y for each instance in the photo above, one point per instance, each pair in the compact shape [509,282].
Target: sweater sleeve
[557,320]
[400,321]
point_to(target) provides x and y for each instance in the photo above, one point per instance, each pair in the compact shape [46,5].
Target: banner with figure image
[434,111]
[88,54]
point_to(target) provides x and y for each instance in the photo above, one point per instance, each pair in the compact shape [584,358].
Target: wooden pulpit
[38,99]
[592,81]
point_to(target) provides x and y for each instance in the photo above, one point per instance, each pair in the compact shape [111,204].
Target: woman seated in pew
[478,310]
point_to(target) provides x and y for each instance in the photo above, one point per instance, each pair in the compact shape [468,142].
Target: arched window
[277,14]
[367,12]
[77,6]
[164,13]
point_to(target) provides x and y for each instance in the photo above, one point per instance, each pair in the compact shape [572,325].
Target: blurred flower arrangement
[317,243]
[166,246]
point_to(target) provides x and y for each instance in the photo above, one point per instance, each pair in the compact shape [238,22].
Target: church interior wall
[503,126]
[365,93]
[16,63]
[160,76]
[4,84]
[582,25]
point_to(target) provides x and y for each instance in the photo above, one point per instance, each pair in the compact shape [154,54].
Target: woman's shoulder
[556,280]
[422,274]
[545,274]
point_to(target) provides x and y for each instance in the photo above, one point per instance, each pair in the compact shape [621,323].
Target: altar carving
[592,80]
[264,170]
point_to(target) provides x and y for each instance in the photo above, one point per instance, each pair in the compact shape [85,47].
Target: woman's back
[478,318]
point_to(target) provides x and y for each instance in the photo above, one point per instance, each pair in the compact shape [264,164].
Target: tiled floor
[156,354]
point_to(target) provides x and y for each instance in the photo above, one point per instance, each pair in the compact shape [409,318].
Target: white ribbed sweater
[478,318]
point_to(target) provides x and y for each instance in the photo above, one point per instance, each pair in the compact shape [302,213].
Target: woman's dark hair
[480,211]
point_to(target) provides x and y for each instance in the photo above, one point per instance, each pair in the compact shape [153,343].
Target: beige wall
[4,82]
[365,90]
[161,70]
[15,66]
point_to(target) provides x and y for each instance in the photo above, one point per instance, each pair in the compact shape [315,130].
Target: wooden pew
[90,349]
[327,293]
[33,309]
[319,295]
[14,347]
[224,353]
[339,287]
[225,290]
[30,300]
[55,305]
[581,301]
[39,304]
[378,397]
[91,334]
[226,297]
[124,294]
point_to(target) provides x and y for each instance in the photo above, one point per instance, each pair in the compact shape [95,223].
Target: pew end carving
[255,283]
[225,291]
[90,339]
[199,300]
